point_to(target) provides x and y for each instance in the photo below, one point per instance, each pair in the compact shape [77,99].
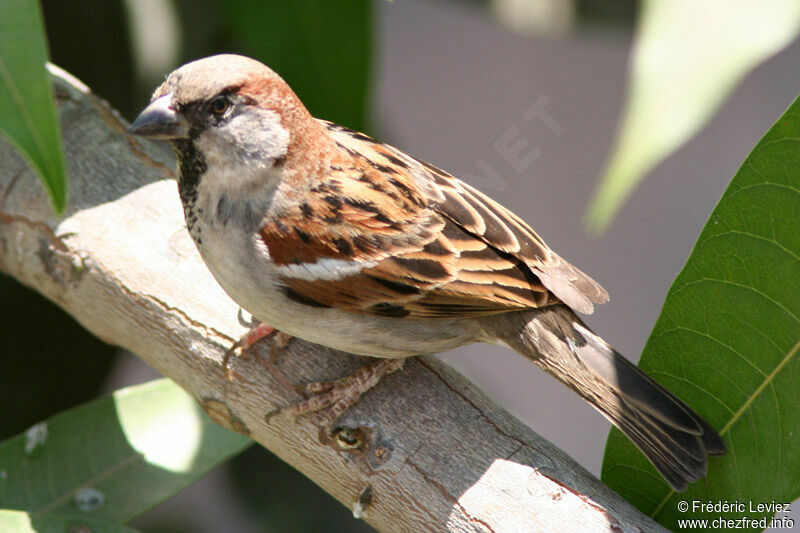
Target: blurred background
[521,99]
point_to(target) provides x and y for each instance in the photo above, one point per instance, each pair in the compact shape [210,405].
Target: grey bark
[437,454]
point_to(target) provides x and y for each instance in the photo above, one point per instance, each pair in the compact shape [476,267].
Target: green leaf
[22,522]
[27,113]
[688,56]
[113,458]
[321,48]
[728,341]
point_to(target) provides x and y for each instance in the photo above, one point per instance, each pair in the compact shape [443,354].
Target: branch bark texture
[435,452]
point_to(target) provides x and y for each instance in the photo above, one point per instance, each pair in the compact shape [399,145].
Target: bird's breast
[221,224]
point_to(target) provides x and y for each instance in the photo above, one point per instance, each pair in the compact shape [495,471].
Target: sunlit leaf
[113,458]
[728,342]
[22,522]
[687,57]
[27,113]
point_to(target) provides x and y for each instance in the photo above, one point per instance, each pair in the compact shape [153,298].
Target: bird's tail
[672,436]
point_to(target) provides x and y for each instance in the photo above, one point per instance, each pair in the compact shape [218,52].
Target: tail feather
[672,436]
[677,456]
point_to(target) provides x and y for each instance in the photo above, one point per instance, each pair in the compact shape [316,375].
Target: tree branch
[436,452]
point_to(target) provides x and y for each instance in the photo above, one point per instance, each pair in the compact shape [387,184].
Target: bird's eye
[219,105]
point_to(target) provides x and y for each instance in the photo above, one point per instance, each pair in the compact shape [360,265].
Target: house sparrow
[331,236]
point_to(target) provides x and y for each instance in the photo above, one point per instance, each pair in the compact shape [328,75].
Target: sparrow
[329,235]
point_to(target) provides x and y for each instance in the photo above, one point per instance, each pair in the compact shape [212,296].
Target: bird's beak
[160,121]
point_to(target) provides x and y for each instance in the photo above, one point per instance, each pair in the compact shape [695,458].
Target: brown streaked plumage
[334,237]
[442,248]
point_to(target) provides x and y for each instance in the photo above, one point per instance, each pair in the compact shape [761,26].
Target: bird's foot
[257,332]
[332,398]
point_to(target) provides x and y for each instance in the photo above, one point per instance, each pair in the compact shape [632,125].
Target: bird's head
[233,110]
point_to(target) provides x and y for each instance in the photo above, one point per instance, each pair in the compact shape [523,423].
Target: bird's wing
[386,234]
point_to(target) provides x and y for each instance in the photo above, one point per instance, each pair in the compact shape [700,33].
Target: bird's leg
[338,396]
[258,331]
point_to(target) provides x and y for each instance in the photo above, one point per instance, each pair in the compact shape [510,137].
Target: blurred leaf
[321,48]
[113,458]
[27,113]
[547,18]
[22,522]
[728,341]
[688,56]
